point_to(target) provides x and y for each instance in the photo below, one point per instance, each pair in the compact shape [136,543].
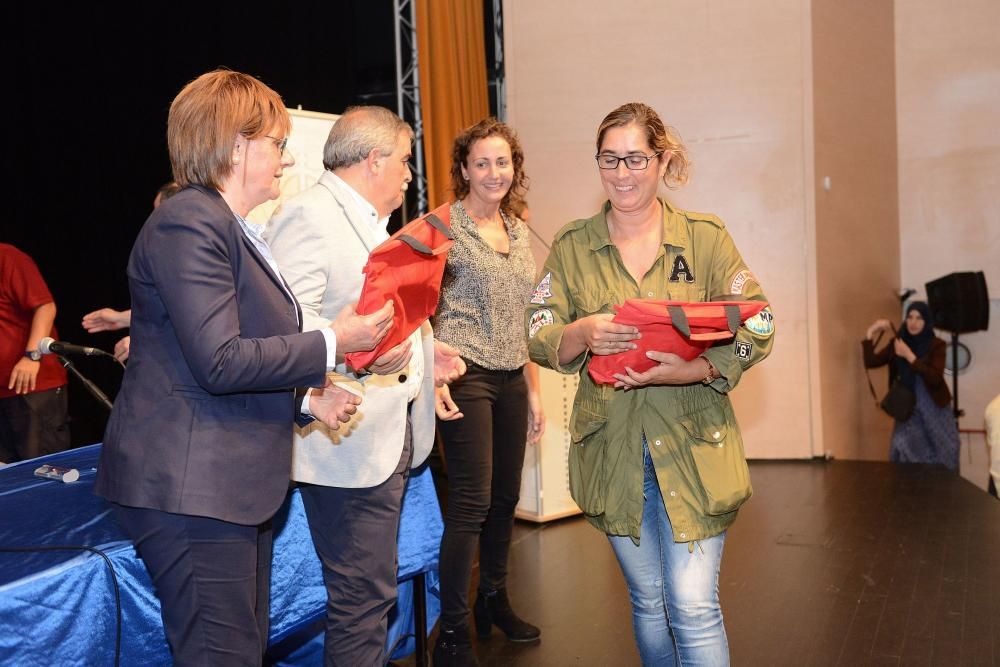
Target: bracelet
[710,378]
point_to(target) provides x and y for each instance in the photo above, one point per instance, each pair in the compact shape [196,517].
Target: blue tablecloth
[58,607]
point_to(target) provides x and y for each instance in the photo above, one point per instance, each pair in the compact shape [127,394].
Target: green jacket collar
[675,229]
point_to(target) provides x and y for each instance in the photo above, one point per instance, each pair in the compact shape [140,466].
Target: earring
[236,160]
[465,176]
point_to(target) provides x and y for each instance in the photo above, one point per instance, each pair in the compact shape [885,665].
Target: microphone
[50,346]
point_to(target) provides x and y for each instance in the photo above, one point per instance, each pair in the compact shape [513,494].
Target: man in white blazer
[352,480]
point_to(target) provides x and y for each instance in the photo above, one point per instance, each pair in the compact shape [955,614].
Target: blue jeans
[674,591]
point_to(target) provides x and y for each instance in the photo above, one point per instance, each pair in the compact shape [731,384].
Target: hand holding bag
[686,329]
[407,268]
[899,401]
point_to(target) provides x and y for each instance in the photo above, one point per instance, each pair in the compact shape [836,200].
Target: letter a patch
[681,267]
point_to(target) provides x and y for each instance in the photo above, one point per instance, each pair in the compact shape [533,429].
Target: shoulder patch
[762,323]
[740,280]
[539,319]
[543,290]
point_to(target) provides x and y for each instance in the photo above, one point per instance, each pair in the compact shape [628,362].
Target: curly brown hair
[513,202]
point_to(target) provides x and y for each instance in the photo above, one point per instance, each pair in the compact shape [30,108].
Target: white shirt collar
[364,209]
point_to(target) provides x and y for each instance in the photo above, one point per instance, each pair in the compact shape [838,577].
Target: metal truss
[408,97]
[498,77]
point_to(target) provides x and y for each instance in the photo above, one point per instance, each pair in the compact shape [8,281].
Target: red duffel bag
[407,267]
[683,328]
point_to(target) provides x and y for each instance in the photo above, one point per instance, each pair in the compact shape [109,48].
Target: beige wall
[897,103]
[857,230]
[948,99]
[734,78]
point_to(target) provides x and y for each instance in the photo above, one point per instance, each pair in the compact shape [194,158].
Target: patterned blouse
[484,293]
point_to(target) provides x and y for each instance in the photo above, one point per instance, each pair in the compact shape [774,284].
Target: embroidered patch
[681,267]
[762,323]
[543,291]
[743,350]
[539,319]
[739,280]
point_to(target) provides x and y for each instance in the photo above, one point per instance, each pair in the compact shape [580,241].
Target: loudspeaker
[959,302]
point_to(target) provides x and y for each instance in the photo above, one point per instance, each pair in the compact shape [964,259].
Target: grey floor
[830,563]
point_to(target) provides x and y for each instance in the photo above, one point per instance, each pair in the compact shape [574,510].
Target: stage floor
[830,563]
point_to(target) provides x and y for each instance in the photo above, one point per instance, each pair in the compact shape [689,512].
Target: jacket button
[402,378]
[673,494]
[683,535]
[716,435]
[658,443]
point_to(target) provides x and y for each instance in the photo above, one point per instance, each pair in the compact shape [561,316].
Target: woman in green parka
[656,460]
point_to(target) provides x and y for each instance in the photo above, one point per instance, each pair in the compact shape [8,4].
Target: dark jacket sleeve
[875,359]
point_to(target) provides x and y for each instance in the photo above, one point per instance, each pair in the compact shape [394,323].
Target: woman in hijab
[917,356]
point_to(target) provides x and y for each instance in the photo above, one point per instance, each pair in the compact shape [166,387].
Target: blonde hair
[661,138]
[205,118]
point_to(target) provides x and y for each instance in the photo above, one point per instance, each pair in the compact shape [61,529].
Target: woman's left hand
[448,364]
[536,418]
[670,370]
[903,350]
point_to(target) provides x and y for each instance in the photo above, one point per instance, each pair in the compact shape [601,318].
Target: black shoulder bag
[899,401]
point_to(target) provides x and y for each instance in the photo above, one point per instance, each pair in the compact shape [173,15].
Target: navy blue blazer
[203,422]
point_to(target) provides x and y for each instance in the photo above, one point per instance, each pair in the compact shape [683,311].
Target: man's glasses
[633,162]
[280,143]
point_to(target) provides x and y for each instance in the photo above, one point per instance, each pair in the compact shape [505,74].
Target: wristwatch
[710,378]
[34,355]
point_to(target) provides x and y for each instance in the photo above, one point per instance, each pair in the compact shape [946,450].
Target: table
[66,569]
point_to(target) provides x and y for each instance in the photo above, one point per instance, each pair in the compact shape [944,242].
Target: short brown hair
[661,138]
[513,201]
[205,118]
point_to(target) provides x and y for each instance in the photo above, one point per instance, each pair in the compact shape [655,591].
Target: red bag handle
[680,321]
[422,247]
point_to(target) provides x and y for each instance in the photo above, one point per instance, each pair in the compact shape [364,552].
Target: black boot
[494,609]
[453,649]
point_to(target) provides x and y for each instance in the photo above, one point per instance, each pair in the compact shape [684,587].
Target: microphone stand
[91,387]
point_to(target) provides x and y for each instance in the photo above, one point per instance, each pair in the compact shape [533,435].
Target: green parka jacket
[691,430]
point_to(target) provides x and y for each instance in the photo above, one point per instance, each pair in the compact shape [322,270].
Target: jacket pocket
[588,435]
[717,449]
[686,293]
[592,302]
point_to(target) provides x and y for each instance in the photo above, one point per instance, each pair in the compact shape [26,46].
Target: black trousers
[33,425]
[355,533]
[484,452]
[213,580]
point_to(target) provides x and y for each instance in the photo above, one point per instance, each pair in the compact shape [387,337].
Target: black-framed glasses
[632,162]
[280,143]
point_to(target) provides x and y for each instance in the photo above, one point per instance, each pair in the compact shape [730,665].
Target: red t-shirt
[22,290]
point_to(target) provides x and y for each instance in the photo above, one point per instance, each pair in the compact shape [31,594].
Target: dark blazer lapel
[278,281]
